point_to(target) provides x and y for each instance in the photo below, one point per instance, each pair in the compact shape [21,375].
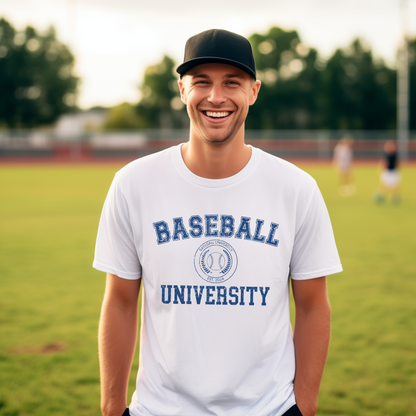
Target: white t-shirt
[215,257]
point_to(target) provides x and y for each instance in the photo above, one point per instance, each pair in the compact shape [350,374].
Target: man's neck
[216,160]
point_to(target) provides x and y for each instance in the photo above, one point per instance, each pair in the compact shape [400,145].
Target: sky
[115,40]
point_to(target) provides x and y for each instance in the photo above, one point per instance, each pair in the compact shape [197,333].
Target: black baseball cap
[218,46]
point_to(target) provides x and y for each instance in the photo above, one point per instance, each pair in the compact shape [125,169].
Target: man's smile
[217,114]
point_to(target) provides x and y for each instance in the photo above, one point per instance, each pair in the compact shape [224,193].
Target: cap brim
[188,65]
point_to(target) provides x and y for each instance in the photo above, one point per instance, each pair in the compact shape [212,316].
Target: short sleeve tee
[215,257]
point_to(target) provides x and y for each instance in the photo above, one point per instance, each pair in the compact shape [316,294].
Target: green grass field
[50,296]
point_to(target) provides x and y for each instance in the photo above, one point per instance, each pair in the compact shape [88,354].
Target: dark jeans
[293,411]
[126,412]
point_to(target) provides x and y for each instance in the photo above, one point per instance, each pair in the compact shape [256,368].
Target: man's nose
[216,95]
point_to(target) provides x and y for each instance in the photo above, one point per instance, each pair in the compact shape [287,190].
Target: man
[214,228]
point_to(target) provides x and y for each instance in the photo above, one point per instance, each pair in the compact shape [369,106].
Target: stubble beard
[202,133]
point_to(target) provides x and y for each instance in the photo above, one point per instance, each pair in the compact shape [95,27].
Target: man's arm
[117,342]
[311,338]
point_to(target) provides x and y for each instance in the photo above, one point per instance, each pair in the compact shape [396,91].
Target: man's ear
[181,84]
[255,88]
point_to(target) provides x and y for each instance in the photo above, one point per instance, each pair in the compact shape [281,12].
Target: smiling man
[216,230]
[218,97]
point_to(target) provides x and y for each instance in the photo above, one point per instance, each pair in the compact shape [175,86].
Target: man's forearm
[117,343]
[312,333]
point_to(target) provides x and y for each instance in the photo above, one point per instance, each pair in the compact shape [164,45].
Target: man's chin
[218,139]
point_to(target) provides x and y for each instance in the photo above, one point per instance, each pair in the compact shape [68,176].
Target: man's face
[218,97]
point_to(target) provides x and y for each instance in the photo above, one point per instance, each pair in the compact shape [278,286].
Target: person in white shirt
[216,230]
[343,160]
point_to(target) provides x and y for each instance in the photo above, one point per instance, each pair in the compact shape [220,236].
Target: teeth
[217,114]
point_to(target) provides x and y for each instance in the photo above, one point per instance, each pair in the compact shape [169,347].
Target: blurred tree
[360,92]
[36,80]
[300,90]
[412,63]
[290,95]
[161,106]
[123,116]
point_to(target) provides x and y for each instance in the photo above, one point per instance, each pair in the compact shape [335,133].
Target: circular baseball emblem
[215,261]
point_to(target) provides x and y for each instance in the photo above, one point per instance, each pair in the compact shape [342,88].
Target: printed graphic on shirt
[223,226]
[215,261]
[214,295]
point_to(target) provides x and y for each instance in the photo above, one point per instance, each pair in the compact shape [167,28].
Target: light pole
[403,88]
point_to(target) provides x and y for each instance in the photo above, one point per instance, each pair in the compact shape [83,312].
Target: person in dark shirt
[390,176]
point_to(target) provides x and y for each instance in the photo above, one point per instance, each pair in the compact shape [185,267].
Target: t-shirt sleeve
[314,251]
[115,249]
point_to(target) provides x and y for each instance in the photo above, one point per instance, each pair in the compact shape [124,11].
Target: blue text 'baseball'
[215,226]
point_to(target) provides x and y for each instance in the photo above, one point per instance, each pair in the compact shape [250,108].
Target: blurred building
[73,126]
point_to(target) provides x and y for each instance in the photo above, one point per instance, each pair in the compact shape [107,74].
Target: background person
[389,176]
[342,160]
[214,228]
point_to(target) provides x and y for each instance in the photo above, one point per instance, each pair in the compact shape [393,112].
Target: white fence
[129,145]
